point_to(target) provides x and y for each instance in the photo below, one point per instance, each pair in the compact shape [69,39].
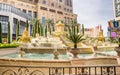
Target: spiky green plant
[17,30]
[74,37]
[83,30]
[8,35]
[48,25]
[37,27]
[0,33]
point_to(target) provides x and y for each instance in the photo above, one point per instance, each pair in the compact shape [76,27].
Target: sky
[94,12]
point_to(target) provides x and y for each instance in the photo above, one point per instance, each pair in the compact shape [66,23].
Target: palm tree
[74,25]
[48,25]
[83,30]
[37,27]
[74,37]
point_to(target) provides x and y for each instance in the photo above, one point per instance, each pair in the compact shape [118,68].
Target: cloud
[94,12]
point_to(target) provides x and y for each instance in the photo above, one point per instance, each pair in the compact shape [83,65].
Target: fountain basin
[60,63]
[43,50]
[63,61]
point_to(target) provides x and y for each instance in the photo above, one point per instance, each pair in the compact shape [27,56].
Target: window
[4,21]
[44,2]
[71,11]
[52,4]
[43,21]
[35,14]
[70,3]
[60,7]
[24,10]
[14,26]
[60,0]
[30,13]
[64,9]
[22,27]
[68,10]
[67,2]
[36,1]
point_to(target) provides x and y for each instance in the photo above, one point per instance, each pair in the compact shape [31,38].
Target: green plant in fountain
[74,37]
[0,33]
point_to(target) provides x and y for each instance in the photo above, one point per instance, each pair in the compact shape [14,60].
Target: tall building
[116,6]
[28,9]
[45,9]
[114,25]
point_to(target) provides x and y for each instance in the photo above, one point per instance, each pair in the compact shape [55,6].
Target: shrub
[9,45]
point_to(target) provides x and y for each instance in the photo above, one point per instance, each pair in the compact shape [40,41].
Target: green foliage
[8,45]
[0,33]
[8,35]
[27,25]
[17,30]
[4,40]
[37,27]
[83,30]
[75,38]
[48,25]
[60,20]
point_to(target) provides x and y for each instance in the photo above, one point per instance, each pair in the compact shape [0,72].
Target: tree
[83,30]
[48,25]
[75,38]
[17,30]
[8,35]
[37,27]
[0,33]
[27,25]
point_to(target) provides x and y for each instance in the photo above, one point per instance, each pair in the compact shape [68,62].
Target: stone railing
[39,70]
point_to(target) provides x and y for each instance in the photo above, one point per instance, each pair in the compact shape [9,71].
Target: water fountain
[52,52]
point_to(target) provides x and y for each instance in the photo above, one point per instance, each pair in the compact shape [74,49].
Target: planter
[75,52]
[117,49]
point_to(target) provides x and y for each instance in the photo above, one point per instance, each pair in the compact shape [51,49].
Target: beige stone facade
[47,9]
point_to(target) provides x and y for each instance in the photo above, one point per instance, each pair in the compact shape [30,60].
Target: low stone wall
[53,63]
[95,61]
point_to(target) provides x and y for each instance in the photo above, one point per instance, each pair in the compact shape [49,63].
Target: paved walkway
[8,51]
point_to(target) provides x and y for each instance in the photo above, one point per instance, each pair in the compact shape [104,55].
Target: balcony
[11,9]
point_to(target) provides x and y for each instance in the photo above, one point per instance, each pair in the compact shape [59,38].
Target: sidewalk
[8,51]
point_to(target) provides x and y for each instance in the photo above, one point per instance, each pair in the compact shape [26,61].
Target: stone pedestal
[75,52]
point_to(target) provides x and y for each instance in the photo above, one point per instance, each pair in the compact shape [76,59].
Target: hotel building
[114,25]
[29,9]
